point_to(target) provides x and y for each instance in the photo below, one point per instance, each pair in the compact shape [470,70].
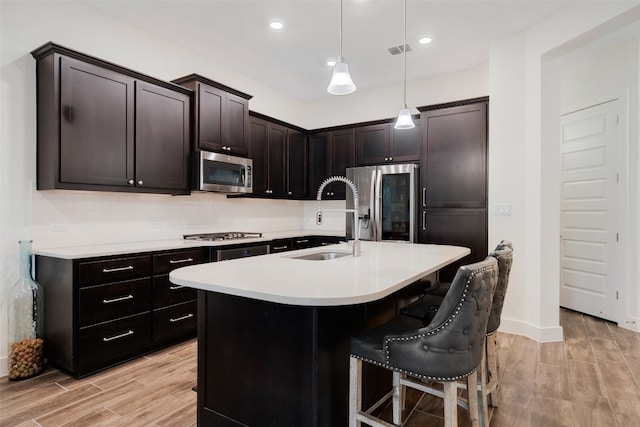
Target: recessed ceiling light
[425,40]
[331,62]
[276,25]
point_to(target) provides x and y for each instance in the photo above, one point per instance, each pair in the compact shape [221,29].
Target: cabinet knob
[289,193]
[390,159]
[140,182]
[130,182]
[386,159]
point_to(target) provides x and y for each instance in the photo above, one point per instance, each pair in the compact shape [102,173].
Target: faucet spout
[354,190]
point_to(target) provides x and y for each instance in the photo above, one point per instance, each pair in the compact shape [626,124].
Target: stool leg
[450,404]
[399,394]
[494,375]
[472,396]
[355,391]
[483,411]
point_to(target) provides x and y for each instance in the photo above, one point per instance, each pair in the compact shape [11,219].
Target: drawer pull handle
[126,334]
[111,270]
[173,288]
[178,261]
[302,241]
[188,316]
[278,248]
[109,301]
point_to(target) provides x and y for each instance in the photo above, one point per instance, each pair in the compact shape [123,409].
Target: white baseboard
[4,366]
[528,330]
[630,323]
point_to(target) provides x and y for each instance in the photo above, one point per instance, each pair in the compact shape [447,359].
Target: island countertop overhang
[382,269]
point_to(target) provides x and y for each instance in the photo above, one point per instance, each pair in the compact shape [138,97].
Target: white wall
[525,92]
[84,217]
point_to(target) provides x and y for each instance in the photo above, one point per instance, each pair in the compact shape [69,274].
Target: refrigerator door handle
[377,213]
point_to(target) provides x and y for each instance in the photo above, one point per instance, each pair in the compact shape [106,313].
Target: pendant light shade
[404,120]
[341,82]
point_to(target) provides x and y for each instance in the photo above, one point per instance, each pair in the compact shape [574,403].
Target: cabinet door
[97,125]
[406,144]
[372,144]
[454,154]
[210,127]
[162,138]
[297,164]
[318,162]
[258,146]
[277,159]
[341,155]
[235,116]
[460,227]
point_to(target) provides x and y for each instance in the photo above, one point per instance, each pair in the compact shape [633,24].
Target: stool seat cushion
[368,346]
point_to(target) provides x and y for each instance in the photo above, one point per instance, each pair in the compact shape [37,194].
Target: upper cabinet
[104,127]
[221,116]
[330,154]
[381,143]
[279,155]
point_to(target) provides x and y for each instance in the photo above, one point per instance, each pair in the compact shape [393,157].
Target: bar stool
[448,349]
[489,372]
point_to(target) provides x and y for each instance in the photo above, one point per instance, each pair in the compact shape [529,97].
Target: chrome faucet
[356,225]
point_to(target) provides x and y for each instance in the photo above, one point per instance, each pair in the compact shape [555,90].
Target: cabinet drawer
[107,302]
[164,263]
[174,321]
[166,293]
[113,270]
[107,340]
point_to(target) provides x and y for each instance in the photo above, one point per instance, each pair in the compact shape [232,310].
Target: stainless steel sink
[322,256]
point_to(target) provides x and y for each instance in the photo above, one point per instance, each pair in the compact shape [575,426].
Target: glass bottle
[26,321]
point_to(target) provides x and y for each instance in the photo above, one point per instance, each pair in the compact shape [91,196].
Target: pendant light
[341,82]
[404,120]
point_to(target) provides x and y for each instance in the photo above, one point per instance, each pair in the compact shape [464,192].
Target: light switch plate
[502,209]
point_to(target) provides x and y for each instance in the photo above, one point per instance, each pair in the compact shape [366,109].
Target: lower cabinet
[103,311]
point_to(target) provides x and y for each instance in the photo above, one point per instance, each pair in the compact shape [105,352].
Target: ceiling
[236,34]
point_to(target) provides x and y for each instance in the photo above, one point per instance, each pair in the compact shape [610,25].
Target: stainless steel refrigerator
[387,195]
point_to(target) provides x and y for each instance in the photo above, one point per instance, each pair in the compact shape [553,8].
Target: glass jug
[26,321]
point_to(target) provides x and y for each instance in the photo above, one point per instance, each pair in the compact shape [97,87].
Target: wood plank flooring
[590,379]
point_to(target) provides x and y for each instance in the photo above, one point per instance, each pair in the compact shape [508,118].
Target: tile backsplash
[61,218]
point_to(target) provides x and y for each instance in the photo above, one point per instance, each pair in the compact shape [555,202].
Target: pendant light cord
[340,59]
[404,54]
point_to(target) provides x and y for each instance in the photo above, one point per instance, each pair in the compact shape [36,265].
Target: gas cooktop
[214,237]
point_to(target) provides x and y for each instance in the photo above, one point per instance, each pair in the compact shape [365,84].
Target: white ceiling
[235,33]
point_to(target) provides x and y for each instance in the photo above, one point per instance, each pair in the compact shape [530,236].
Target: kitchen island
[273,331]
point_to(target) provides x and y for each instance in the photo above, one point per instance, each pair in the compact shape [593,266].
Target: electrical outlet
[155,225]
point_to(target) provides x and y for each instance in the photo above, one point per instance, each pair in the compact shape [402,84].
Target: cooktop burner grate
[221,236]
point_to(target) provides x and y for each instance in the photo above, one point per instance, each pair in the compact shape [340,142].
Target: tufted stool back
[451,346]
[504,255]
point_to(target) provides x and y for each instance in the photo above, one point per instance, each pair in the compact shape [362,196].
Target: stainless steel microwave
[222,173]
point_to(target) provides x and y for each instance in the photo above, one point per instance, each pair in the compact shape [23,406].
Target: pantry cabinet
[221,116]
[105,127]
[453,169]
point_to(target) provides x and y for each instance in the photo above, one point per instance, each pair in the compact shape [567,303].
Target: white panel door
[588,223]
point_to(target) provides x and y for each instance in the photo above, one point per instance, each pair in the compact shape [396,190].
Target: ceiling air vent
[397,50]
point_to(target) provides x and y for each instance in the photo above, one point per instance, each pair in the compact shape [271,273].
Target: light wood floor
[590,379]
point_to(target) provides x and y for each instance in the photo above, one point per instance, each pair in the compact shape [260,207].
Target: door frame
[621,163]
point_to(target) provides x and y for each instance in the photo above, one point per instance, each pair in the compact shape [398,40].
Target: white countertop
[88,251]
[382,269]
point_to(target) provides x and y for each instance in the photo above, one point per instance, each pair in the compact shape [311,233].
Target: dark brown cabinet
[454,178]
[221,116]
[279,155]
[103,311]
[104,127]
[267,149]
[381,143]
[330,154]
